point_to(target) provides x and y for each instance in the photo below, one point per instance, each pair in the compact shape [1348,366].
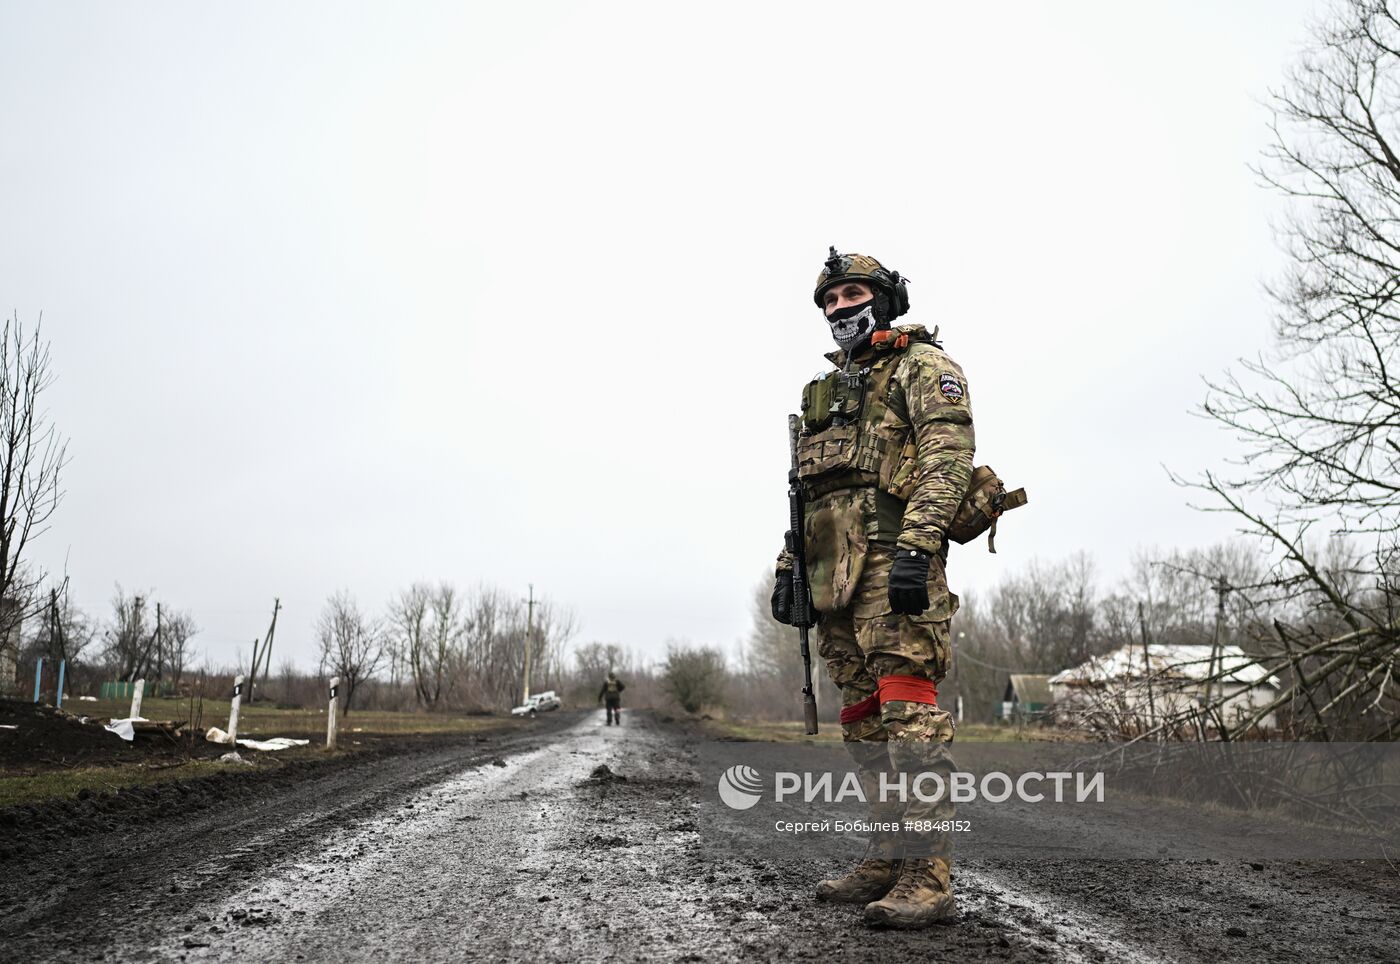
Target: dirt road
[571,840]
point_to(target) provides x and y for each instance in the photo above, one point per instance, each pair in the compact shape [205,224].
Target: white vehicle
[537,703]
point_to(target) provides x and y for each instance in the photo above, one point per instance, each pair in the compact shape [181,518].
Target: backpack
[984,503]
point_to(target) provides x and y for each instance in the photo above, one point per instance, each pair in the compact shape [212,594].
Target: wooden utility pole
[529,639]
[1222,589]
[264,655]
[58,639]
[1147,666]
[160,650]
[140,658]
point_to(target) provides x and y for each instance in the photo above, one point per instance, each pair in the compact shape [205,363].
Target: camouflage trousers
[866,642]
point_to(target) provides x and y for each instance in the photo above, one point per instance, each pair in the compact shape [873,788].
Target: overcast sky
[347,296]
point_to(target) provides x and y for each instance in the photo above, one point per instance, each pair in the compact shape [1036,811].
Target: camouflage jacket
[885,455]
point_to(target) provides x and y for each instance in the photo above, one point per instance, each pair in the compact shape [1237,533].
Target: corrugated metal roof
[1181,662]
[1031,688]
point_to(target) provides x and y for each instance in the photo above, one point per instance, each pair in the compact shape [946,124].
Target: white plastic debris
[216,735]
[9,726]
[123,729]
[276,743]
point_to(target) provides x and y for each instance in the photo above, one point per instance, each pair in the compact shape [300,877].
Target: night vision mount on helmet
[859,267]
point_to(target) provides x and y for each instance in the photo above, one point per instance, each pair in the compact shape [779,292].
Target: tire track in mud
[536,857]
[587,841]
[1078,936]
[588,846]
[82,892]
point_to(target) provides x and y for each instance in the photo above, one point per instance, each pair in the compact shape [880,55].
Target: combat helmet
[860,267]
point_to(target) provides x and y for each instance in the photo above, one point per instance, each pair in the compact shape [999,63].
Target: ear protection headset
[899,293]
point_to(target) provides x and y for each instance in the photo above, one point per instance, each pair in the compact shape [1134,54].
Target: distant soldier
[611,695]
[884,459]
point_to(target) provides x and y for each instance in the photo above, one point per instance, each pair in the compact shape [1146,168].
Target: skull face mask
[853,324]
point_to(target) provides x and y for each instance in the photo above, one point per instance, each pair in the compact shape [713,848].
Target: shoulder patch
[951,387]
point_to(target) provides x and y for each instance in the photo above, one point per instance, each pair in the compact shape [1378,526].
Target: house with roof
[1026,698]
[1164,682]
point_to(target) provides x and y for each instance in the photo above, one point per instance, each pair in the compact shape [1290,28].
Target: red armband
[914,689]
[859,711]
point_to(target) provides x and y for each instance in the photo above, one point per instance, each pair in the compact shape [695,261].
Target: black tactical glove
[782,596]
[909,582]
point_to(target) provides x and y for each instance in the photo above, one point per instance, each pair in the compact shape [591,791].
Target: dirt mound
[47,735]
[603,773]
[46,738]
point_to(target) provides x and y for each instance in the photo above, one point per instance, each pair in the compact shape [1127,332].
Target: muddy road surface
[572,841]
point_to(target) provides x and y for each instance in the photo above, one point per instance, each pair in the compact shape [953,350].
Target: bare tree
[32,458]
[493,645]
[1042,618]
[406,642]
[177,628]
[130,638]
[771,660]
[1319,416]
[434,674]
[62,630]
[554,626]
[695,676]
[428,627]
[593,660]
[137,646]
[288,675]
[351,643]
[487,664]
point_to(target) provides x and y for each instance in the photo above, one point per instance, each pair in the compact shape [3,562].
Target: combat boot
[869,880]
[922,896]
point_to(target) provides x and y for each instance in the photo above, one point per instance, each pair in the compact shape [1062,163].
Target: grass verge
[263,720]
[46,779]
[51,785]
[789,731]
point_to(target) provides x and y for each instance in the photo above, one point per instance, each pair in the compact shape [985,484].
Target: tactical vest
[848,438]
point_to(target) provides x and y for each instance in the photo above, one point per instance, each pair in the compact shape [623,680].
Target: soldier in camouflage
[884,458]
[611,694]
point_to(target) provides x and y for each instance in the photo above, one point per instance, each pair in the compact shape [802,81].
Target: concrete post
[233,711]
[62,670]
[38,677]
[137,692]
[330,715]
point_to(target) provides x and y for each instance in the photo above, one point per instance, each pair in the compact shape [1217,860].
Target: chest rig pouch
[833,397]
[831,418]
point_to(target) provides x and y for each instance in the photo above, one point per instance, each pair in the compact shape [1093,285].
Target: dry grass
[257,721]
[792,731]
[264,720]
[67,784]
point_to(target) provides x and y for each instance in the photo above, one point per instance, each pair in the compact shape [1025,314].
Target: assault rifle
[801,592]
